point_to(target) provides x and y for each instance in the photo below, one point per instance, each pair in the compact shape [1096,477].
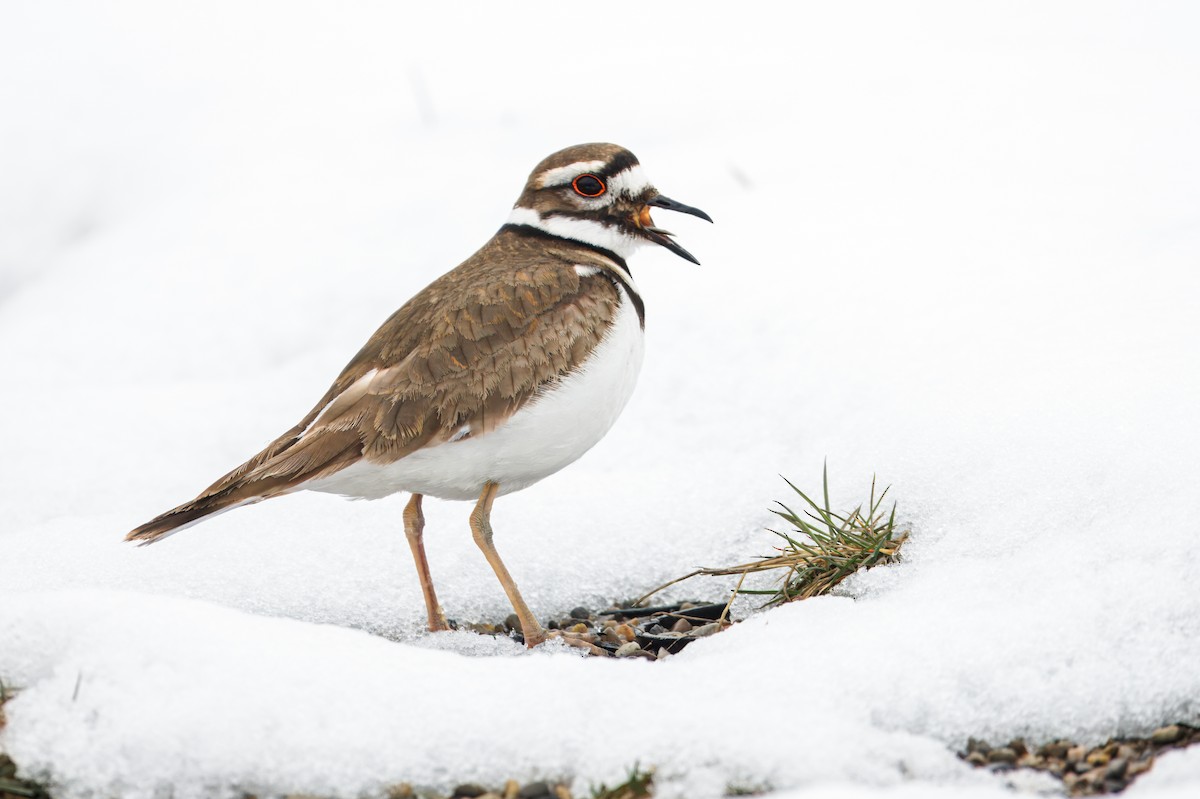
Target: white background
[955,246]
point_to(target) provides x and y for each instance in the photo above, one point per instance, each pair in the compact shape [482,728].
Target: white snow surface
[957,246]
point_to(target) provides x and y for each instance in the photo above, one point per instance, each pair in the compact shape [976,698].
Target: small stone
[535,790]
[1138,767]
[579,628]
[468,790]
[1116,769]
[662,653]
[1002,754]
[976,745]
[707,629]
[609,624]
[1166,735]
[681,626]
[1076,753]
[1126,752]
[511,789]
[976,758]
[1054,749]
[580,613]
[628,649]
[657,629]
[625,632]
[1081,767]
[561,792]
[512,622]
[1098,757]
[1018,746]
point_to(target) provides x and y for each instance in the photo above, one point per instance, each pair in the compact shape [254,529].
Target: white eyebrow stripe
[630,182]
[565,174]
[581,230]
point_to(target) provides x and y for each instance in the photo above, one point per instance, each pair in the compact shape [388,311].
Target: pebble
[535,790]
[1117,769]
[1002,754]
[707,629]
[681,626]
[1166,735]
[1055,749]
[580,613]
[628,649]
[468,790]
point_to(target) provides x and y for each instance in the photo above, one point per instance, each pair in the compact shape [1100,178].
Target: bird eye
[588,186]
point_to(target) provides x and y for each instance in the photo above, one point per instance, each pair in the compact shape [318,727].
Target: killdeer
[496,375]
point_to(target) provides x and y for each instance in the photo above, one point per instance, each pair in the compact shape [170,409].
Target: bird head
[598,194]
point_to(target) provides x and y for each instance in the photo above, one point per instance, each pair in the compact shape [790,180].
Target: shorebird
[499,373]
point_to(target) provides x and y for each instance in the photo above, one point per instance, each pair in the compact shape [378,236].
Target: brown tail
[186,515]
[279,469]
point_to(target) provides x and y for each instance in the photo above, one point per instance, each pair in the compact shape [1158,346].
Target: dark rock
[535,790]
[468,791]
[1002,754]
[976,745]
[1054,749]
[581,613]
[1117,769]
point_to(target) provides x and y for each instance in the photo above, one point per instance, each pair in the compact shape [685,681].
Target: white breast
[547,434]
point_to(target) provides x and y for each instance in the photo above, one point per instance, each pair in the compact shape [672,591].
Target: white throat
[582,230]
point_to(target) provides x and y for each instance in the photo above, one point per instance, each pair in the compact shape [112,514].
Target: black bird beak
[662,237]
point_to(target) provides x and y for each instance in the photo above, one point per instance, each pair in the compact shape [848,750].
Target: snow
[955,246]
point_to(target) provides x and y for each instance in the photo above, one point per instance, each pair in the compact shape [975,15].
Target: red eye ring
[589,186]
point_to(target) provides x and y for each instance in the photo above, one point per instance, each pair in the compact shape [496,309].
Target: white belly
[541,438]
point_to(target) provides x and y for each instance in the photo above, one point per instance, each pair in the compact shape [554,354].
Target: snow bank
[953,247]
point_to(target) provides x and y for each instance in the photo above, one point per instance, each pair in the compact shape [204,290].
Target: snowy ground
[956,246]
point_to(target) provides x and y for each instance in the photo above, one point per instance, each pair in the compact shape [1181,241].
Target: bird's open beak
[663,237]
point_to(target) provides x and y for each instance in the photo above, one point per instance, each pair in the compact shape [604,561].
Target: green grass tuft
[638,785]
[824,547]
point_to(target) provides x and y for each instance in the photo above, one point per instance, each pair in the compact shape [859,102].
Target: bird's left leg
[414,530]
[481,529]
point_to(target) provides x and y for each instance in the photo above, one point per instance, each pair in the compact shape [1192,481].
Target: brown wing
[463,355]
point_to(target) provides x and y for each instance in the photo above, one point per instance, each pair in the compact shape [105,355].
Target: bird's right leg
[481,529]
[414,529]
